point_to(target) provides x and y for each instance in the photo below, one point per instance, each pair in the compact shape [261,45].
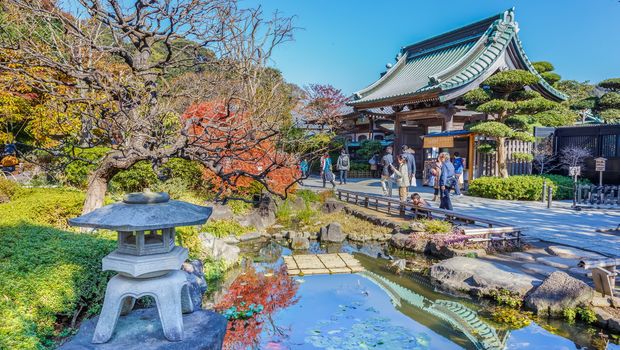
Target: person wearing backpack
[447,180]
[343,164]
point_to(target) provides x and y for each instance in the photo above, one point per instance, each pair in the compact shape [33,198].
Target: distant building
[421,94]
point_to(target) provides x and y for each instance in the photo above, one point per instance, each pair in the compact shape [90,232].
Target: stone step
[541,269]
[523,256]
[572,253]
[559,262]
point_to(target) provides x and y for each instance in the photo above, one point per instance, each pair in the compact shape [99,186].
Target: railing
[487,230]
[597,195]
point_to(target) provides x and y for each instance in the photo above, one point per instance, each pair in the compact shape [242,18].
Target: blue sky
[347,43]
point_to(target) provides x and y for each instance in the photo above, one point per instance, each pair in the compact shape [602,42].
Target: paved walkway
[559,225]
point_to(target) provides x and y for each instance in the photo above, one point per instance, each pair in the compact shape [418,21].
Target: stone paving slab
[312,264]
[558,262]
[540,269]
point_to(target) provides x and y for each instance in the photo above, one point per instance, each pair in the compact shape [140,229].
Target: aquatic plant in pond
[232,313]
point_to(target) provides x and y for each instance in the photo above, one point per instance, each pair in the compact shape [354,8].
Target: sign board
[574,171]
[600,163]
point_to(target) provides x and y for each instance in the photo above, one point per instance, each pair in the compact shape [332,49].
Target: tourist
[409,155]
[402,177]
[386,180]
[326,170]
[374,165]
[343,164]
[418,201]
[458,172]
[433,178]
[304,167]
[447,180]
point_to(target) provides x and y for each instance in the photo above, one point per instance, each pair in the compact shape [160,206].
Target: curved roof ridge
[384,77]
[478,27]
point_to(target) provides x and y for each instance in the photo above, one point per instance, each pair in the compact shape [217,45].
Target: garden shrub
[436,226]
[522,187]
[223,228]
[8,189]
[47,274]
[309,196]
[564,185]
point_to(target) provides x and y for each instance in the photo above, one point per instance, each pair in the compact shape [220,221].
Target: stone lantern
[147,260]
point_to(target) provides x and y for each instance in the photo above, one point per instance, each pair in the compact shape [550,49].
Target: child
[419,201]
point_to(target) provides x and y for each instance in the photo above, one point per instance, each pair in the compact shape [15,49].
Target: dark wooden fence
[485,162]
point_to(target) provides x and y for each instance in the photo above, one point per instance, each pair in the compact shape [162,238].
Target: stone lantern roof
[144,211]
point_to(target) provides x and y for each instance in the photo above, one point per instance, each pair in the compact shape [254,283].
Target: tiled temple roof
[430,69]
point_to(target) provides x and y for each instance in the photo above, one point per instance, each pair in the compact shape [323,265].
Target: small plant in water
[506,297]
[234,313]
[511,317]
[584,314]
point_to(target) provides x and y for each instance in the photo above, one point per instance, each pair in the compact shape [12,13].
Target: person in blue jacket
[447,180]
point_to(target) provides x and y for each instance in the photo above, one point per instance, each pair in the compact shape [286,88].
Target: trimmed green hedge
[521,187]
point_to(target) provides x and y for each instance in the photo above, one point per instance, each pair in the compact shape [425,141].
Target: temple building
[418,100]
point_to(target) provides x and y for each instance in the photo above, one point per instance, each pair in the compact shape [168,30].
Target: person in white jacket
[402,177]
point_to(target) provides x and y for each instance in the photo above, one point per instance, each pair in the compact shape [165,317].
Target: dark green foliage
[477,97]
[555,118]
[360,166]
[497,107]
[368,148]
[610,100]
[536,105]
[574,89]
[519,122]
[510,80]
[611,115]
[584,103]
[551,77]
[494,129]
[76,173]
[8,189]
[522,156]
[523,136]
[543,66]
[610,84]
[486,148]
[523,95]
[522,187]
[564,185]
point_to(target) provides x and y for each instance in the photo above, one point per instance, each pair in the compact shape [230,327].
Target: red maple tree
[242,155]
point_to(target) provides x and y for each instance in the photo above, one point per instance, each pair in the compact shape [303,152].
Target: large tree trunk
[502,170]
[99,179]
[97,187]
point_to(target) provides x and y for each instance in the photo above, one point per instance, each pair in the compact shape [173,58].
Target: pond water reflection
[375,309]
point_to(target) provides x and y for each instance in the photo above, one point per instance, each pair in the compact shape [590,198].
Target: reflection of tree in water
[274,291]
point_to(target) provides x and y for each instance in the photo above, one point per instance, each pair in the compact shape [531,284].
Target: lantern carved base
[171,295]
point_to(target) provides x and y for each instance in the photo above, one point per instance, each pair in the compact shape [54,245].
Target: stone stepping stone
[556,261]
[580,272]
[544,270]
[572,253]
[523,256]
[313,264]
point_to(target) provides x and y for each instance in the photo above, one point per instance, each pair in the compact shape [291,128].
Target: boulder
[197,282]
[230,240]
[219,211]
[141,329]
[608,318]
[298,204]
[479,277]
[559,291]
[399,240]
[259,219]
[250,236]
[332,233]
[332,206]
[300,243]
[417,226]
[218,249]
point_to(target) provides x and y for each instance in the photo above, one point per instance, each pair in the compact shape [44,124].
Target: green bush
[436,226]
[223,228]
[359,166]
[522,187]
[8,189]
[564,185]
[47,275]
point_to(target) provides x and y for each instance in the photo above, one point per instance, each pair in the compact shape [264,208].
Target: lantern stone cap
[144,211]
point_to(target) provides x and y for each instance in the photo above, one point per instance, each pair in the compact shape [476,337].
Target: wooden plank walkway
[313,264]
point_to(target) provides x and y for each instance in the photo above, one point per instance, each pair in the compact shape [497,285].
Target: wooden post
[544,190]
[366,202]
[389,207]
[549,196]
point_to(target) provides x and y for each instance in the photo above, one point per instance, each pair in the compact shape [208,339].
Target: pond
[374,309]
